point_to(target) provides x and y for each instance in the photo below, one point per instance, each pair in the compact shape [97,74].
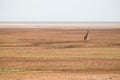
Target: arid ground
[59,54]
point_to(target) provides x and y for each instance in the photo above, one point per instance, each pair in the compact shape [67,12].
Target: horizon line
[59,21]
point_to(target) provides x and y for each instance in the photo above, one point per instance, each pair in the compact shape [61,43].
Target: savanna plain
[59,54]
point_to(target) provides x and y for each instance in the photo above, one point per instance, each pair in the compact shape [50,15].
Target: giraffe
[86,37]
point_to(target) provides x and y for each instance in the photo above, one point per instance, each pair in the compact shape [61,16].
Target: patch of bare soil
[59,76]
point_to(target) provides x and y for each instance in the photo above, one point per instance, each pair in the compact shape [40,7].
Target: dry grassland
[59,54]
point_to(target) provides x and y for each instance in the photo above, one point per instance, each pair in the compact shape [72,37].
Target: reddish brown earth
[59,54]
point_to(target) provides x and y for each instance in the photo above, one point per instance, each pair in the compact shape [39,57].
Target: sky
[60,10]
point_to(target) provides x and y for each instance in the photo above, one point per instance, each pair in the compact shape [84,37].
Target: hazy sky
[60,10]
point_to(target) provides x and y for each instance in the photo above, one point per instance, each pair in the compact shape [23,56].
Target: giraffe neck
[87,33]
